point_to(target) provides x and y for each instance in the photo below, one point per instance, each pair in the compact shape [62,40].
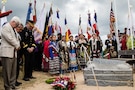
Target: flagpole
[131,28]
[30,1]
[116,26]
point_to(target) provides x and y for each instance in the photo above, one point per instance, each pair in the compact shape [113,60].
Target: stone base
[108,73]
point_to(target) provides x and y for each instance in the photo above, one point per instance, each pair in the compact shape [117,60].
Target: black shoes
[14,88]
[18,83]
[32,77]
[26,79]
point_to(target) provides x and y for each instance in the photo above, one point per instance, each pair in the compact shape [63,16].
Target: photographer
[112,52]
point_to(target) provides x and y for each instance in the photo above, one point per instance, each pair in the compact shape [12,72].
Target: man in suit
[9,46]
[19,29]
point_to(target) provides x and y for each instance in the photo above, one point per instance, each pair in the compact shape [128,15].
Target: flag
[65,21]
[40,24]
[5,13]
[95,27]
[57,25]
[51,11]
[34,15]
[58,14]
[29,13]
[112,19]
[68,32]
[50,25]
[89,27]
[80,28]
[45,32]
[3,19]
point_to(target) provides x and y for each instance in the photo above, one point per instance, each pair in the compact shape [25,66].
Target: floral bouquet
[63,83]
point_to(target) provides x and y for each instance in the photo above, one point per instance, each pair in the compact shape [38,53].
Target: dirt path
[39,83]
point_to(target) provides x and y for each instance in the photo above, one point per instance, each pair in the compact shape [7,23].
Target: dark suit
[28,42]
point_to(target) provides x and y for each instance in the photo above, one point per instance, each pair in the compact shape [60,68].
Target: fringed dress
[54,62]
[45,59]
[64,55]
[95,48]
[83,51]
[72,56]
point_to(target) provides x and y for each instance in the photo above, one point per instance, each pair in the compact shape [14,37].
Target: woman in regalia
[83,51]
[72,54]
[54,62]
[95,46]
[64,55]
[45,59]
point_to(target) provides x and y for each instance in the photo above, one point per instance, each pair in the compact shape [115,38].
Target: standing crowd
[52,54]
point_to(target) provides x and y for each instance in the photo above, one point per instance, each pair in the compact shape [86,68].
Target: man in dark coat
[28,46]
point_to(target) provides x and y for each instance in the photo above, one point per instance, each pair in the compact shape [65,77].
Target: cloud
[71,9]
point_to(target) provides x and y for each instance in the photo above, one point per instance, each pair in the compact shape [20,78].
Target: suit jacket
[9,42]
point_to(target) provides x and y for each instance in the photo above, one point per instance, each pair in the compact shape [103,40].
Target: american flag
[112,19]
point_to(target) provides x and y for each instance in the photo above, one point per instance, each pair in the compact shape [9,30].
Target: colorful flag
[34,15]
[57,24]
[45,32]
[112,20]
[3,19]
[95,27]
[50,25]
[29,13]
[40,24]
[68,32]
[89,27]
[80,28]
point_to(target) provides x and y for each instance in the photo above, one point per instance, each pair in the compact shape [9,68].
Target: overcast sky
[72,8]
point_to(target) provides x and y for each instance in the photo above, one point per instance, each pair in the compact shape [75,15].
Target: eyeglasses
[16,23]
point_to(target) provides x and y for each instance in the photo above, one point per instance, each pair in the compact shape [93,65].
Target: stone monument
[108,73]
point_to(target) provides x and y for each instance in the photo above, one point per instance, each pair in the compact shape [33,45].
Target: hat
[30,21]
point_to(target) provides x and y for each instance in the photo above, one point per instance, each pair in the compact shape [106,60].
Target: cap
[30,22]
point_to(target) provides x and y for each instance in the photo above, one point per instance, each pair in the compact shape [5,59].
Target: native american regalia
[54,62]
[64,55]
[45,59]
[72,55]
[95,48]
[82,52]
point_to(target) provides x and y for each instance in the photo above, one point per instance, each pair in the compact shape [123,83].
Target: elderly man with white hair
[9,46]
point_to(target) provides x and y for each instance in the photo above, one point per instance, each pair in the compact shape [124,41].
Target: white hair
[16,19]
